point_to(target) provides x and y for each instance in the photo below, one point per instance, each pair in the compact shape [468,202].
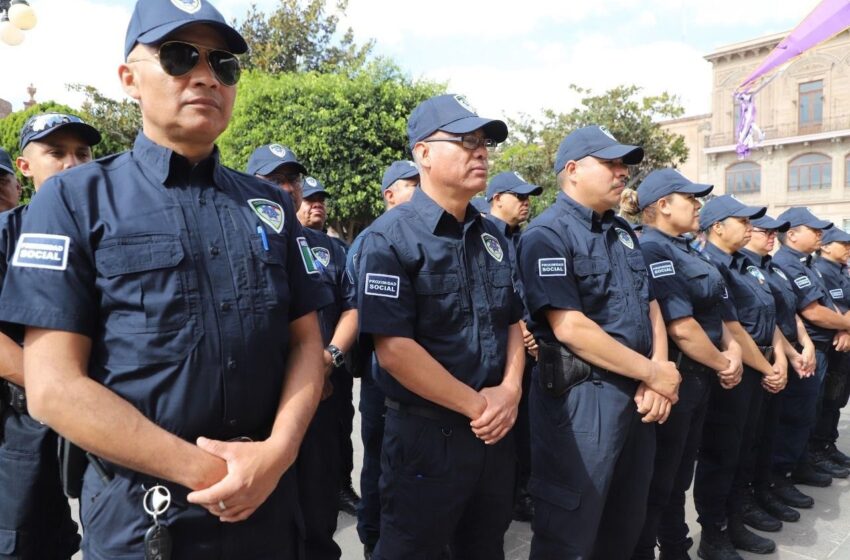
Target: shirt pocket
[703,292]
[500,286]
[639,274]
[271,285]
[440,306]
[593,277]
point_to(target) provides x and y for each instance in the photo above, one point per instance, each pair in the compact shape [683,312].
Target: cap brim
[696,189]
[235,42]
[271,166]
[631,155]
[6,169]
[751,212]
[493,128]
[770,223]
[820,224]
[840,237]
[88,133]
[313,192]
[532,190]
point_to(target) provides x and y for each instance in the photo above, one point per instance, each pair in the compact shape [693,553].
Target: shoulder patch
[322,255]
[552,267]
[803,282]
[837,293]
[625,238]
[42,250]
[382,285]
[662,269]
[780,273]
[307,256]
[271,213]
[493,247]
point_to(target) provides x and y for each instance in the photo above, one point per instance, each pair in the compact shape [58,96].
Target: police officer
[801,355]
[832,264]
[35,518]
[827,329]
[436,296]
[398,184]
[318,462]
[169,332]
[602,376]
[508,194]
[10,188]
[690,293]
[731,421]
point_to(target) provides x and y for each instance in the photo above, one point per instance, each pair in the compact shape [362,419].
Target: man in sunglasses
[10,189]
[35,518]
[170,313]
[436,296]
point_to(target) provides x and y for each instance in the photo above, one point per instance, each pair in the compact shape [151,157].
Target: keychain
[156,502]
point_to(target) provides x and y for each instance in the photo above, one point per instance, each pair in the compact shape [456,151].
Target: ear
[129,81]
[24,166]
[423,155]
[571,169]
[388,196]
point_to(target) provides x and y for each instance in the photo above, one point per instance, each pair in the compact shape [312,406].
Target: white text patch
[803,282]
[662,269]
[41,250]
[552,267]
[382,285]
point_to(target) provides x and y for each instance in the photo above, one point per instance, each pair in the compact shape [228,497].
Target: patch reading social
[382,285]
[552,267]
[803,282]
[662,269]
[41,250]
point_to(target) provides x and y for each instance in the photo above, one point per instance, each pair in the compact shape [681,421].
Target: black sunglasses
[468,141]
[178,58]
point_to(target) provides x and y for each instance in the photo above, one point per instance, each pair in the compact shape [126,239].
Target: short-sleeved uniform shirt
[685,284]
[329,258]
[185,278]
[512,234]
[836,280]
[446,284]
[572,258]
[10,228]
[808,286]
[783,294]
[749,301]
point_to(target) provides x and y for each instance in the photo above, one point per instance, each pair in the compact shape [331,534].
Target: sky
[507,57]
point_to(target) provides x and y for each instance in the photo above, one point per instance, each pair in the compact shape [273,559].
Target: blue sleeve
[385,294]
[667,282]
[353,256]
[346,286]
[546,271]
[806,289]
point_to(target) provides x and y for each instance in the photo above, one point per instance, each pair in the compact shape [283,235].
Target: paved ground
[822,533]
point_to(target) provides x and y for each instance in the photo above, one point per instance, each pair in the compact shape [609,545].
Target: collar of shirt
[437,218]
[652,234]
[170,168]
[838,268]
[762,261]
[509,231]
[736,261]
[804,258]
[587,217]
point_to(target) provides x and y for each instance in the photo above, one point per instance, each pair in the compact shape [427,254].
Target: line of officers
[188,327]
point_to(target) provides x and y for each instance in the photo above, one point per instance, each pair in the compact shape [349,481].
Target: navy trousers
[372,411]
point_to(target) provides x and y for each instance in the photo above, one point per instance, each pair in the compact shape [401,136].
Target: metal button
[231,422]
[225,306]
[213,250]
[202,201]
[231,363]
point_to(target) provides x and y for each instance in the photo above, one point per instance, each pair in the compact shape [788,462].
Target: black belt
[685,364]
[14,396]
[430,412]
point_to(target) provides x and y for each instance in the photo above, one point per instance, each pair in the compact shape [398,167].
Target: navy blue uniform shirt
[329,257]
[749,301]
[10,229]
[836,281]
[783,294]
[685,283]
[512,234]
[447,285]
[808,287]
[184,277]
[574,259]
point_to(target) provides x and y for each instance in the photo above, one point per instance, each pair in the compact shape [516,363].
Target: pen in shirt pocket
[264,237]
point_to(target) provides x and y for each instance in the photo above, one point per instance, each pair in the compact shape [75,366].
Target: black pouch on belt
[559,370]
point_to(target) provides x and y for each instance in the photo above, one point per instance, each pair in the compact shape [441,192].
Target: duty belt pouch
[72,466]
[559,370]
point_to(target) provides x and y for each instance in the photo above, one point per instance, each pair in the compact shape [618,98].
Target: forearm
[803,338]
[825,318]
[412,366]
[515,360]
[11,361]
[691,339]
[346,330]
[728,342]
[660,352]
[782,349]
[750,353]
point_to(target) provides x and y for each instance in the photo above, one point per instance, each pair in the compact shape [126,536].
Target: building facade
[804,113]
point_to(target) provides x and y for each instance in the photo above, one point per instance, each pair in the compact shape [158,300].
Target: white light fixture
[10,34]
[16,16]
[22,15]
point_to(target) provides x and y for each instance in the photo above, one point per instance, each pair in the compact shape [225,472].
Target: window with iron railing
[809,172]
[743,177]
[810,101]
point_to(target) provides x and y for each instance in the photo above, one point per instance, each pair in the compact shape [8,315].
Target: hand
[327,389]
[499,416]
[841,341]
[798,362]
[731,376]
[651,405]
[664,379]
[528,341]
[810,358]
[253,472]
[776,381]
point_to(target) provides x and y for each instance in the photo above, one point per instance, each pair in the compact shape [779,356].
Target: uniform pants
[440,485]
[591,466]
[772,409]
[522,431]
[676,445]
[372,411]
[343,399]
[748,464]
[798,417]
[728,432]
[836,392]
[35,520]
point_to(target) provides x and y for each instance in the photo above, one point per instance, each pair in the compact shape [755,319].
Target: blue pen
[264,237]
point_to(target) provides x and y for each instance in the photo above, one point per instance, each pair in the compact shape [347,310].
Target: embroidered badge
[188,6]
[381,285]
[307,256]
[662,269]
[322,255]
[271,213]
[464,102]
[552,267]
[780,273]
[757,273]
[837,294]
[493,247]
[41,250]
[803,282]
[604,130]
[520,177]
[311,182]
[625,238]
[278,150]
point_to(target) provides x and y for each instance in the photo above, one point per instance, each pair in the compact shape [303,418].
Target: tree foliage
[301,38]
[118,121]
[345,130]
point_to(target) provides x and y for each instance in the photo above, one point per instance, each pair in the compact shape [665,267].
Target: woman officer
[690,293]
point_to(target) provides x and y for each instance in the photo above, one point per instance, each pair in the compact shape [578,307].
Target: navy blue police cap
[480,203]
[6,162]
[834,235]
[404,169]
[312,187]
[450,113]
[153,20]
[727,206]
[664,182]
[800,216]
[39,126]
[598,142]
[766,222]
[267,158]
[512,182]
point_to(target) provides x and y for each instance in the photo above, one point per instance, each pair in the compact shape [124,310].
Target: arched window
[809,172]
[743,177]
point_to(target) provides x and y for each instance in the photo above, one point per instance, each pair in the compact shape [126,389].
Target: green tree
[345,130]
[118,121]
[533,143]
[298,37]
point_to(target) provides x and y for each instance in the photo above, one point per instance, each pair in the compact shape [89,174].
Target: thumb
[213,446]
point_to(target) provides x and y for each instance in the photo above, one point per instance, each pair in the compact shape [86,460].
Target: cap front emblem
[520,177]
[278,150]
[188,6]
[604,130]
[311,182]
[464,102]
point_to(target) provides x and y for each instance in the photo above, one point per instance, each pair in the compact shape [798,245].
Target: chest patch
[780,273]
[307,256]
[754,271]
[381,285]
[41,250]
[837,293]
[662,269]
[625,238]
[803,282]
[552,267]
[322,255]
[491,244]
[271,213]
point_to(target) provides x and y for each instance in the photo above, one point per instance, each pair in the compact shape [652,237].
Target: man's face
[400,192]
[44,158]
[511,208]
[192,109]
[312,213]
[453,165]
[10,191]
[600,180]
[805,239]
[288,178]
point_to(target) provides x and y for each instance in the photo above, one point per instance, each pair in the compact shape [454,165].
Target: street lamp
[17,17]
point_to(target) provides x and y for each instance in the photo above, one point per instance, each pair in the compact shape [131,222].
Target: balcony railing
[785,130]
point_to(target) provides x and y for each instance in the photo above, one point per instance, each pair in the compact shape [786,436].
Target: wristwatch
[337,357]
